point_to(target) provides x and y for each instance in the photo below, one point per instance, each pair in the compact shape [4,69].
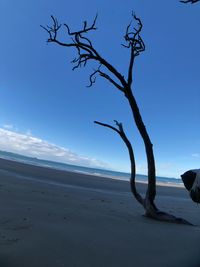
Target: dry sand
[51,218]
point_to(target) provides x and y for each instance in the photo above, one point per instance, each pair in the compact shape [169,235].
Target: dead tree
[87,52]
[189,1]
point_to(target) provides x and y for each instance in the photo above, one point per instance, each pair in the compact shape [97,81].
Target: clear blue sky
[45,107]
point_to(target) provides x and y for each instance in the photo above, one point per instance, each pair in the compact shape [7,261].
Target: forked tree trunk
[86,52]
[151,210]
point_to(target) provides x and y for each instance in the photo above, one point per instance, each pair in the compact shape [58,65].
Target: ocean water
[86,170]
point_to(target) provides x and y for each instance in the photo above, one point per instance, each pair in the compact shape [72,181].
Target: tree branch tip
[116,122]
[95,19]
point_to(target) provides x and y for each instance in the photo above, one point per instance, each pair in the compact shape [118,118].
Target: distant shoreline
[161,181]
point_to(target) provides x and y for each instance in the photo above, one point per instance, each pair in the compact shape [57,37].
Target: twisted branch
[52,30]
[104,75]
[85,28]
[133,38]
[122,134]
[85,50]
[134,43]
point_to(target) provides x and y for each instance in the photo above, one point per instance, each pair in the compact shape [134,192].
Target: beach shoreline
[9,164]
[56,218]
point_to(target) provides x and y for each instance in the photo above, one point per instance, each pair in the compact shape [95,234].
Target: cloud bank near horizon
[29,145]
[26,144]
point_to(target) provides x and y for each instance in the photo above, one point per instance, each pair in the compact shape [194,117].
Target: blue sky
[46,110]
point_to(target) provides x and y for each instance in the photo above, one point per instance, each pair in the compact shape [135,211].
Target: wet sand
[52,218]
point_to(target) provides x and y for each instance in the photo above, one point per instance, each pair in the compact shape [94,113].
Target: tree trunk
[151,191]
[151,211]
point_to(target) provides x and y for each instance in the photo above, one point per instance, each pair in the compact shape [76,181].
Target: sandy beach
[51,218]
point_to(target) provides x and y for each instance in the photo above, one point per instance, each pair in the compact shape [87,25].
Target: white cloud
[35,147]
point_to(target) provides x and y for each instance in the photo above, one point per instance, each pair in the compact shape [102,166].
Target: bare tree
[189,1]
[87,52]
